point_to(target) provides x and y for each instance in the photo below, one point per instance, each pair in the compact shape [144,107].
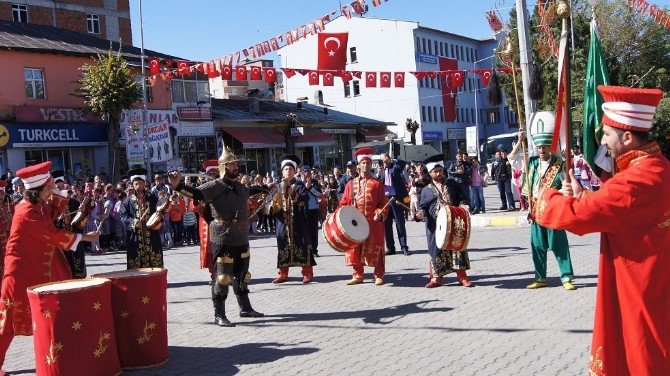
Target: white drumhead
[131,273]
[442,227]
[353,223]
[71,284]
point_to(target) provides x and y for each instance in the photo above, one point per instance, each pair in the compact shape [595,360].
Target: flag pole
[563,11]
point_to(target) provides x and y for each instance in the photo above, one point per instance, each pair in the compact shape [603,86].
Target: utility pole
[524,57]
[144,100]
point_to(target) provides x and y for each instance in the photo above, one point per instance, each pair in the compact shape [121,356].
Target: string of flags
[452,78]
[167,69]
[654,11]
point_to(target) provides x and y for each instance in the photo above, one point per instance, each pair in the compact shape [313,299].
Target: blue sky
[207,29]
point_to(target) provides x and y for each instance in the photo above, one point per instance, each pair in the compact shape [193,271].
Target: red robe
[34,256]
[631,334]
[5,223]
[370,199]
[206,258]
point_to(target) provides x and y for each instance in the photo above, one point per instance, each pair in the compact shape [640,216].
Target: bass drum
[346,228]
[452,229]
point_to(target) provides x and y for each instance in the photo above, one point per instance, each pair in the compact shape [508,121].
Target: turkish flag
[486,75]
[288,72]
[346,76]
[201,68]
[211,70]
[169,63]
[256,73]
[270,75]
[328,79]
[358,8]
[273,44]
[376,3]
[227,71]
[371,79]
[456,79]
[332,49]
[154,65]
[346,12]
[313,78]
[259,50]
[303,71]
[266,47]
[241,73]
[182,67]
[385,79]
[448,102]
[357,74]
[399,79]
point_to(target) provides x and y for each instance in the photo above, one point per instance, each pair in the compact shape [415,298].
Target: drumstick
[388,203]
[402,205]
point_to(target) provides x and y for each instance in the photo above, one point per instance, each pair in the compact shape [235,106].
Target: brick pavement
[327,328]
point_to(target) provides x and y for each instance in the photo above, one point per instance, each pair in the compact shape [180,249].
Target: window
[34,83]
[493,117]
[435,113]
[189,91]
[418,44]
[423,43]
[357,88]
[453,55]
[442,114]
[439,83]
[430,114]
[150,96]
[472,115]
[20,13]
[194,150]
[352,55]
[347,90]
[436,44]
[432,83]
[430,47]
[93,22]
[423,113]
[441,49]
[462,55]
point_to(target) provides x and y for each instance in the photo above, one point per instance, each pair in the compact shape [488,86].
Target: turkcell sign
[24,135]
[425,58]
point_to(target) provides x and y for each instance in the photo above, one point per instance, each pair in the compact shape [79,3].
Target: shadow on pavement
[223,361]
[176,285]
[381,316]
[23,372]
[499,280]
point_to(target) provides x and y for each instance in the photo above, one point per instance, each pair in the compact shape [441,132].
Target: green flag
[596,74]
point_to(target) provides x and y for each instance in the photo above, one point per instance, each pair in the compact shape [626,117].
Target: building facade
[236,88]
[379,45]
[40,117]
[105,19]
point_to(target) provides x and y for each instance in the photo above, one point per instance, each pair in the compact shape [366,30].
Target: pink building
[40,118]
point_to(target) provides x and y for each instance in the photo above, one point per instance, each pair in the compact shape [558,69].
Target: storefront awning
[314,137]
[256,137]
[376,134]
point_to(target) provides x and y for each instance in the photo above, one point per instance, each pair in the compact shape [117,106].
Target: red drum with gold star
[139,306]
[73,328]
[452,228]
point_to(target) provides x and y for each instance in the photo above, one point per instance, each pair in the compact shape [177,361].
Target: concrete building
[105,19]
[380,45]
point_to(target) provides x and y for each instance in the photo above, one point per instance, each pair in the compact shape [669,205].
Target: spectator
[391,176]
[103,175]
[501,170]
[477,183]
[166,231]
[517,182]
[342,182]
[460,171]
[582,169]
[159,186]
[189,220]
[176,213]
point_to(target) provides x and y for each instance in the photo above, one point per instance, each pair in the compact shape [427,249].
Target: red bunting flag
[358,7]
[346,76]
[270,75]
[399,79]
[332,51]
[420,75]
[357,74]
[456,79]
[169,63]
[252,52]
[486,75]
[259,50]
[303,71]
[182,67]
[385,79]
[289,38]
[266,47]
[371,79]
[328,79]
[227,71]
[246,53]
[313,78]
[154,65]
[289,72]
[211,71]
[376,3]
[241,73]
[273,44]
[256,73]
[346,12]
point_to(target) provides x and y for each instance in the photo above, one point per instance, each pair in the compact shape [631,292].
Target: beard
[234,174]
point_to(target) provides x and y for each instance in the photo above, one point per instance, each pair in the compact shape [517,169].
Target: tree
[108,87]
[660,130]
[412,126]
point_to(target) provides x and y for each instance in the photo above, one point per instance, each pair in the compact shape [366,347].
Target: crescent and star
[331,53]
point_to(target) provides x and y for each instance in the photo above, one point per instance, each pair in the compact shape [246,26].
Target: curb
[499,221]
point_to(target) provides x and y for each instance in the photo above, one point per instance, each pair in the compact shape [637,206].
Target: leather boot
[220,318]
[245,306]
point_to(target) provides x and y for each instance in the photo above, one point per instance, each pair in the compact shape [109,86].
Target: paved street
[328,328]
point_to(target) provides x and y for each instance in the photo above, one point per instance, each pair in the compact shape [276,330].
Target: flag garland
[256,50]
[660,17]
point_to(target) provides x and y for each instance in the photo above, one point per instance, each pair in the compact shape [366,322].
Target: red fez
[628,108]
[364,153]
[210,164]
[35,176]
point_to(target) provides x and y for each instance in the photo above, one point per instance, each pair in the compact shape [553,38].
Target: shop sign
[338,131]
[158,141]
[133,118]
[297,132]
[425,58]
[195,113]
[195,128]
[35,114]
[134,147]
[456,134]
[25,135]
[471,141]
[432,136]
